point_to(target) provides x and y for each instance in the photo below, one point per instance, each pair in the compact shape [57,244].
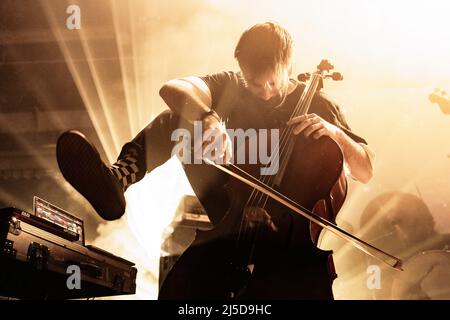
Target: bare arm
[191,98]
[358,157]
[188,97]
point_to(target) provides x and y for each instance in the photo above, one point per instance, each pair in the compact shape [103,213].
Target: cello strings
[285,136]
[299,109]
[303,109]
[259,197]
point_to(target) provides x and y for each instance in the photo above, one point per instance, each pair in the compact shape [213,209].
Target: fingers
[222,151]
[217,146]
[311,129]
[228,150]
[308,126]
[319,133]
[301,118]
[210,144]
[311,125]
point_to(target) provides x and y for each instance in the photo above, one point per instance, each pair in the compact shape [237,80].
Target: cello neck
[312,86]
[287,140]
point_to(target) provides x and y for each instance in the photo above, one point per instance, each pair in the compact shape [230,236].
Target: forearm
[359,159]
[183,101]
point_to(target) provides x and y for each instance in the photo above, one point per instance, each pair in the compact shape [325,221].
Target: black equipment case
[38,261]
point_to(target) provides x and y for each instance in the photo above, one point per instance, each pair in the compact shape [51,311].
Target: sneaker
[81,165]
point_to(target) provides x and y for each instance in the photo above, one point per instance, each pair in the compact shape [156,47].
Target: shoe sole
[81,165]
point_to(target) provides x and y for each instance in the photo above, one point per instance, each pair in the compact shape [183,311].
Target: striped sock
[125,170]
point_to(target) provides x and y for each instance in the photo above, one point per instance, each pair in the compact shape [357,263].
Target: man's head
[264,55]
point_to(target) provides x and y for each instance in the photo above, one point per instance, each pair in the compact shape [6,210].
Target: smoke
[389,60]
[118,238]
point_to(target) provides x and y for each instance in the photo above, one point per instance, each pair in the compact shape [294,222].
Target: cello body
[278,258]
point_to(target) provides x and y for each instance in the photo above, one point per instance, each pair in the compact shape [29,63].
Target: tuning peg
[325,65]
[443,92]
[303,77]
[337,76]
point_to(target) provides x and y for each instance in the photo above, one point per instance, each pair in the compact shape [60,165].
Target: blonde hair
[266,46]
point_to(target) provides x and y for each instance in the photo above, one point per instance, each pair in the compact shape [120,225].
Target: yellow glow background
[392,55]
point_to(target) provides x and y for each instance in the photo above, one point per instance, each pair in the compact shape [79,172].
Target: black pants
[153,144]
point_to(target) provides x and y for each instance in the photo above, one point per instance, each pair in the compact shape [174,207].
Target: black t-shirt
[239,109]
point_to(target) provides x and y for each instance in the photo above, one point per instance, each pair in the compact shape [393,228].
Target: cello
[264,248]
